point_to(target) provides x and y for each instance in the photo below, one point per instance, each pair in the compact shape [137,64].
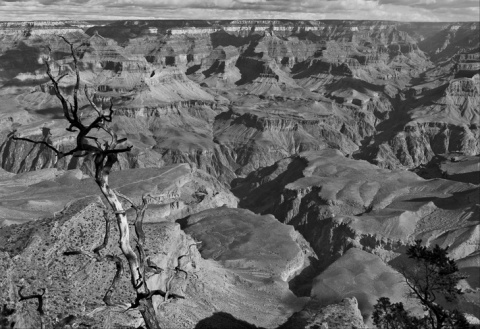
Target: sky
[397,10]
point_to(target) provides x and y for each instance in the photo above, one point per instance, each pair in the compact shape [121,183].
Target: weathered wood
[105,156]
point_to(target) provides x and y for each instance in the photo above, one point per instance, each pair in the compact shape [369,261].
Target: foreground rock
[222,292]
[338,316]
[259,255]
[32,256]
[239,286]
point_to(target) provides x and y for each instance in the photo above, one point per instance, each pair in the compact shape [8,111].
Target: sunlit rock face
[190,75]
[335,315]
[445,120]
[361,275]
[240,239]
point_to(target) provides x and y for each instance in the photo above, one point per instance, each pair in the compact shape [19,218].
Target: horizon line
[235,19]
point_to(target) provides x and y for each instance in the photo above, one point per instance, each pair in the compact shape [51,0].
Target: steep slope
[218,70]
[452,39]
[445,120]
[365,277]
[258,133]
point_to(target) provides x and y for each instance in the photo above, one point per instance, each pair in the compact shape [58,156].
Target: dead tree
[105,153]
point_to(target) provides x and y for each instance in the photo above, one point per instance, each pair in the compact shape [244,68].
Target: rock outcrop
[344,314]
[257,245]
[32,255]
[445,120]
[452,166]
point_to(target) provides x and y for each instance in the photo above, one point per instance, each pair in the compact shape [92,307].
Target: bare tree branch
[126,198]
[107,299]
[105,155]
[38,297]
[57,152]
[92,104]
[106,236]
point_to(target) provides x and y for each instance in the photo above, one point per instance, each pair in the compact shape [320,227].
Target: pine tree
[430,275]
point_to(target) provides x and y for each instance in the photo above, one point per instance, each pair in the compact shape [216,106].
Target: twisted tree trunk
[102,171]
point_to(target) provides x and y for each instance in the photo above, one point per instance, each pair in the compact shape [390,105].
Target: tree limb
[118,275]
[57,152]
[38,297]
[106,236]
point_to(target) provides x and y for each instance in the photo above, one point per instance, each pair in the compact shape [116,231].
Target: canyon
[292,161]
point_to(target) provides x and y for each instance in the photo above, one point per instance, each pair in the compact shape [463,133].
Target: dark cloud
[49,2]
[433,4]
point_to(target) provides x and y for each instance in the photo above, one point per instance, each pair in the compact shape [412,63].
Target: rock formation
[339,315]
[340,142]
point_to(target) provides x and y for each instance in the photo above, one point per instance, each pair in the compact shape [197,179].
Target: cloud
[401,10]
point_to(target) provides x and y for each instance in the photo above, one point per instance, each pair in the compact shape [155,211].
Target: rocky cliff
[145,77]
[444,120]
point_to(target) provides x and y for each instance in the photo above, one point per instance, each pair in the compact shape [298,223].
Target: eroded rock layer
[344,82]
[282,112]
